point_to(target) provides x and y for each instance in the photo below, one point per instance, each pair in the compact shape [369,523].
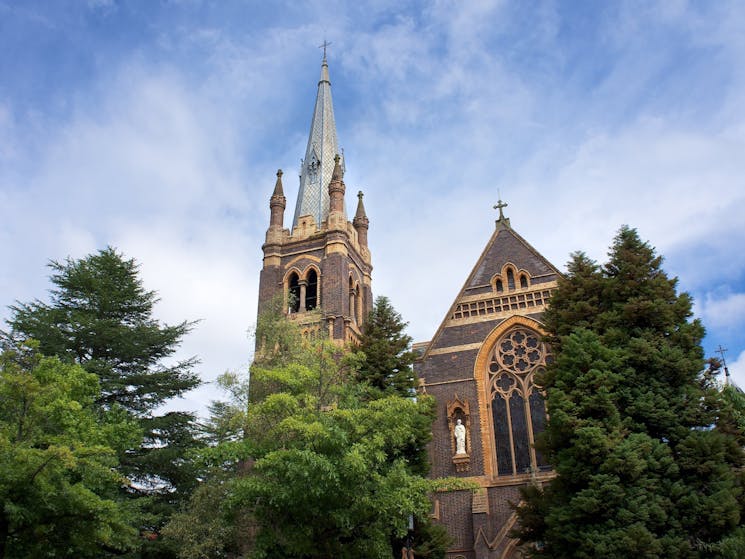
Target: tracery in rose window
[518,409]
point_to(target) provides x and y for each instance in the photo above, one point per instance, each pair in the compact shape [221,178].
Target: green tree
[387,367]
[278,340]
[640,470]
[58,482]
[330,476]
[202,530]
[308,464]
[100,316]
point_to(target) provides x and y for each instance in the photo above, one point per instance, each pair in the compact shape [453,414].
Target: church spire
[318,164]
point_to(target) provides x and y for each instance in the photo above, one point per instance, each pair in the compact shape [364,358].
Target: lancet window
[518,409]
[311,290]
[510,279]
[355,301]
[294,292]
[302,293]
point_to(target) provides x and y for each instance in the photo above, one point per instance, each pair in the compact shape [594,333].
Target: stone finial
[360,214]
[338,173]
[360,221]
[278,191]
[277,204]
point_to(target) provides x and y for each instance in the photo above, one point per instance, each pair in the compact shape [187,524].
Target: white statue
[460,438]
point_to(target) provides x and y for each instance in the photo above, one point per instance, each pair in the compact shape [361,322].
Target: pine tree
[640,470]
[100,316]
[387,348]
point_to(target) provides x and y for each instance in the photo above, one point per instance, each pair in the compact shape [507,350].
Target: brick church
[479,364]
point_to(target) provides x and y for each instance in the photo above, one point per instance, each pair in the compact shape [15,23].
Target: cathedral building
[479,365]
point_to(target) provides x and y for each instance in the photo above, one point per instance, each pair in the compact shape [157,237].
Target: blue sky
[157,128]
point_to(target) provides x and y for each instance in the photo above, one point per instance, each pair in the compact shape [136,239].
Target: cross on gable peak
[500,206]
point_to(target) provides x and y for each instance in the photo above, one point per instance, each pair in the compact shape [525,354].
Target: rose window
[518,410]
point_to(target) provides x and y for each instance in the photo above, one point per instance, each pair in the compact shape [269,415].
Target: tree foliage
[309,465]
[330,477]
[58,482]
[641,472]
[100,317]
[387,366]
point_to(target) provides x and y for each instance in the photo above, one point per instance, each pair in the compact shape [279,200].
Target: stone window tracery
[518,409]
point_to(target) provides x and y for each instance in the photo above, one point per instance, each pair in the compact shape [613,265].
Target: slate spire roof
[318,165]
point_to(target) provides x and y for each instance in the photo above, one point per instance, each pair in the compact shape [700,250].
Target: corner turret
[277,204]
[361,222]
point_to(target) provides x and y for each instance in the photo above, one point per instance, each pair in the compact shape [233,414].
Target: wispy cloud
[160,133]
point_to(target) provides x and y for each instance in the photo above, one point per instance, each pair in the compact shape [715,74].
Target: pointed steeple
[360,214]
[318,164]
[336,216]
[360,221]
[277,204]
[278,191]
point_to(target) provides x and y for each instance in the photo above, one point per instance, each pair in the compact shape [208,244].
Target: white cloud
[723,311]
[173,162]
[737,370]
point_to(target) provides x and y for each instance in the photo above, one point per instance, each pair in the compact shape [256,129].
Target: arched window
[293,292]
[523,281]
[510,279]
[499,286]
[352,300]
[311,290]
[358,306]
[518,409]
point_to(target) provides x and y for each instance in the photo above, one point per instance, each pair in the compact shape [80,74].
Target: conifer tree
[101,317]
[640,470]
[387,348]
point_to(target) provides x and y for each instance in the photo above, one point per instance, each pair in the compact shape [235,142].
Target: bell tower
[322,265]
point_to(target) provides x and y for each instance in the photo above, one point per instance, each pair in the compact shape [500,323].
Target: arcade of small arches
[510,279]
[302,291]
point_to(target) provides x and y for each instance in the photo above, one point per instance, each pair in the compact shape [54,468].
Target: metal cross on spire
[323,46]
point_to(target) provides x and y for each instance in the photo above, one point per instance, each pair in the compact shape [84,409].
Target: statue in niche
[460,437]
